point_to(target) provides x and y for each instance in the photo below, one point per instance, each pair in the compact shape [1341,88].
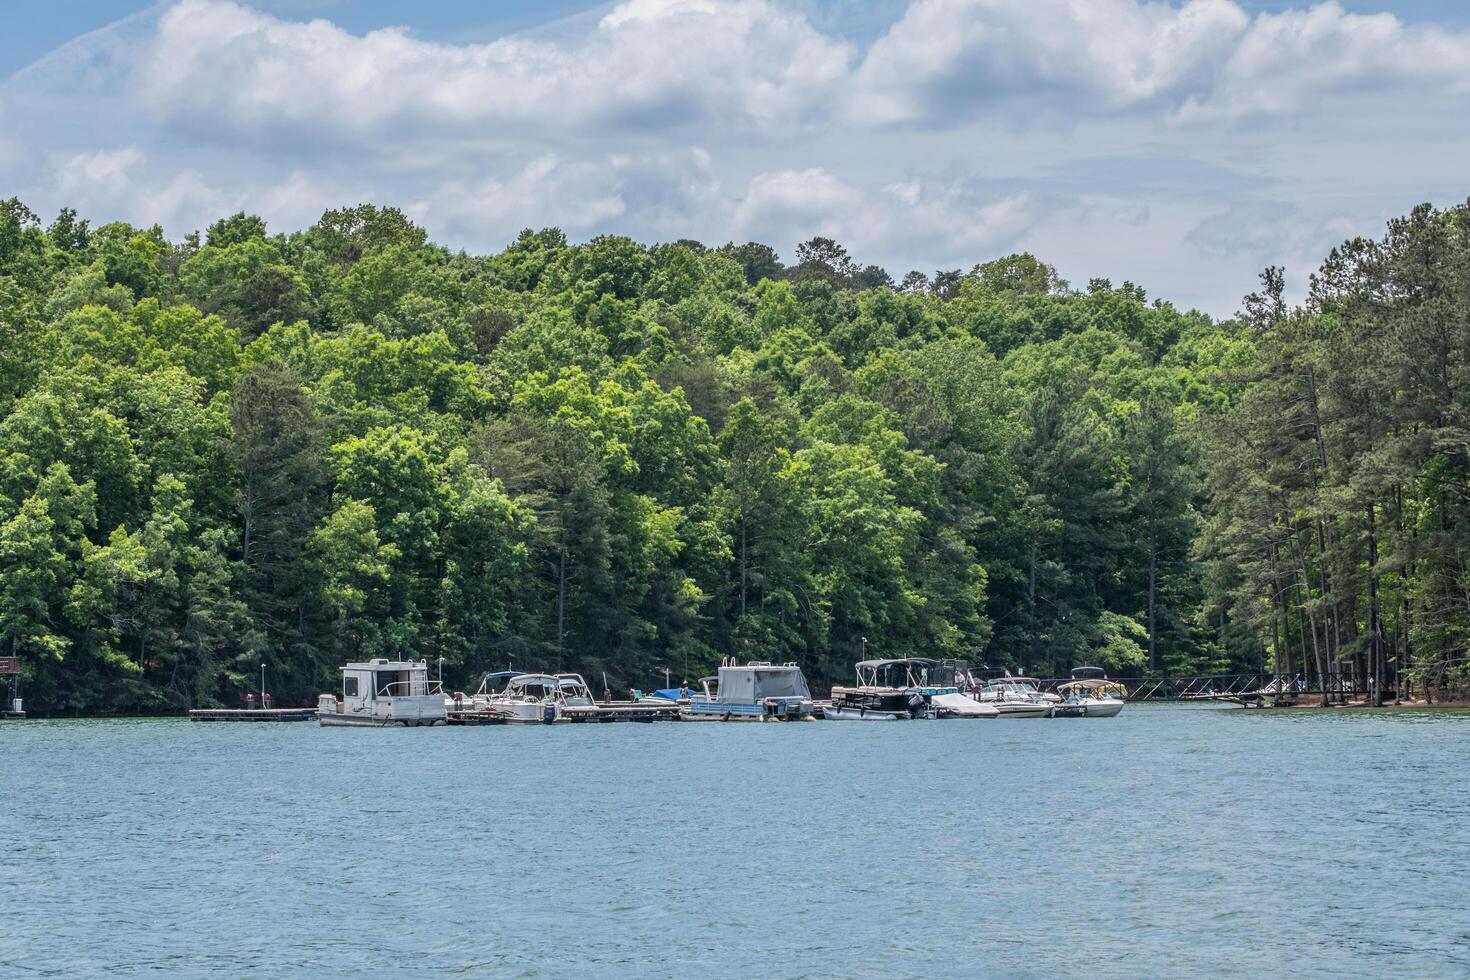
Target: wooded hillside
[346,442]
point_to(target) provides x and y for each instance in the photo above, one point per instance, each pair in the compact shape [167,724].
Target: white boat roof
[382,664]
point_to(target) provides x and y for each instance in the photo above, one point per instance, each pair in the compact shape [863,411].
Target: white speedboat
[1031,685]
[1013,699]
[757,691]
[1089,694]
[524,699]
[381,693]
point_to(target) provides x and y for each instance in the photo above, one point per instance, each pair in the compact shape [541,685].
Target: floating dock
[470,717]
[622,711]
[611,711]
[253,714]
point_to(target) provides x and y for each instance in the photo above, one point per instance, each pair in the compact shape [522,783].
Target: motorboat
[756,691]
[1090,694]
[521,698]
[1033,685]
[1013,697]
[574,691]
[904,688]
[382,693]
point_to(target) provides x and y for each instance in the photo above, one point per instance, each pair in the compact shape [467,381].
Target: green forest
[297,449]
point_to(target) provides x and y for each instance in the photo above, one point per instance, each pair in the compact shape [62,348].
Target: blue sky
[1182,146]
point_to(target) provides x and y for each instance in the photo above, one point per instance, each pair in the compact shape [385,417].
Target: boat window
[389,684]
[349,687]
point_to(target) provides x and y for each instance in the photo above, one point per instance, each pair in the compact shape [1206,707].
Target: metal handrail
[431,688]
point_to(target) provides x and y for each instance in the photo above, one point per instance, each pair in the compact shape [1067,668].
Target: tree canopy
[295,449]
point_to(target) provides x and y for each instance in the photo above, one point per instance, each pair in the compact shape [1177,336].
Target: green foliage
[295,449]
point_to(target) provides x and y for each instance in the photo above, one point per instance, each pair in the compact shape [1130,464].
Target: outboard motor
[548,712]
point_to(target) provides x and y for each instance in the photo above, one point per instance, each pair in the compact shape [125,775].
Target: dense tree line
[297,449]
[1340,487]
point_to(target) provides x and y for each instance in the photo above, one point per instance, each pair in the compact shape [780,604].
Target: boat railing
[402,689]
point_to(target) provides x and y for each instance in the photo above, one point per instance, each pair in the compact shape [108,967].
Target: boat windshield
[536,686]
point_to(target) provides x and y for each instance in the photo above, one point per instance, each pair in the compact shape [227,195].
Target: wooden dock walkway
[253,714]
[470,717]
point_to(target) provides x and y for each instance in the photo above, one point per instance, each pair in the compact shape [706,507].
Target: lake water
[1170,840]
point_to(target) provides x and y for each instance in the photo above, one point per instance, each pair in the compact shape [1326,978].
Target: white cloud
[929,222]
[745,119]
[950,60]
[229,71]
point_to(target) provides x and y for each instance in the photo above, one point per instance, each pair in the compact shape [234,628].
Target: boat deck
[253,714]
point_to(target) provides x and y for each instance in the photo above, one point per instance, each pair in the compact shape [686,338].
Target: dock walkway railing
[1198,687]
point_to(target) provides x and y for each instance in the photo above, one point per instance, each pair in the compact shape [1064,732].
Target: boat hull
[367,721]
[1090,709]
[845,713]
[409,711]
[717,711]
[1012,710]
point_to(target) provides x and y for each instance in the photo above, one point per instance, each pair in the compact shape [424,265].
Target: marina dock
[252,714]
[611,711]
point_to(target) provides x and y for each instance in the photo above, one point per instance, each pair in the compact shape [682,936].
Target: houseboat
[757,691]
[382,693]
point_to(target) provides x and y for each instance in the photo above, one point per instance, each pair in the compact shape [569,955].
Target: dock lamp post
[441,672]
[262,685]
[865,647]
[666,678]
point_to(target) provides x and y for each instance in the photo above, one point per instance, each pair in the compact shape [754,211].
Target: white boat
[1089,694]
[1033,686]
[520,698]
[574,692]
[757,691]
[1013,698]
[382,693]
[962,706]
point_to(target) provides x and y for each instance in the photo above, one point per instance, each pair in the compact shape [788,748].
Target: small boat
[904,688]
[574,691]
[1034,685]
[381,693]
[1013,697]
[524,698]
[757,691]
[1089,694]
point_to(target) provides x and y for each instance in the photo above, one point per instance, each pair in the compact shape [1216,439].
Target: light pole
[666,678]
[865,647]
[441,672]
[262,684]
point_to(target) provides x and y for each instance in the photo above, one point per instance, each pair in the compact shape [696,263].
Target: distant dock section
[253,714]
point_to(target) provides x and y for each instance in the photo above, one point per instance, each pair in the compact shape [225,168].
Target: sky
[1182,146]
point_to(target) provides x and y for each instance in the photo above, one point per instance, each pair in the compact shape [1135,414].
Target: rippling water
[1170,840]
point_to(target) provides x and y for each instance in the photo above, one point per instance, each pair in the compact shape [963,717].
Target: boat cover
[674,693]
[962,704]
